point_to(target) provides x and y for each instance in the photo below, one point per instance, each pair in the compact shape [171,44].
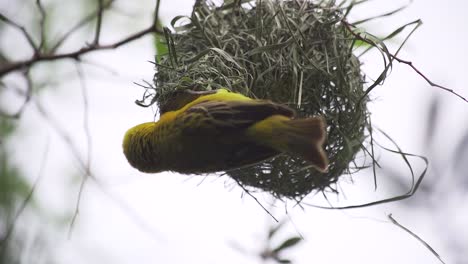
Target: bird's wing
[178,98]
[232,114]
[217,125]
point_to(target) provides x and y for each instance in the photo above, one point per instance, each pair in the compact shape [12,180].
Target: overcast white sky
[170,218]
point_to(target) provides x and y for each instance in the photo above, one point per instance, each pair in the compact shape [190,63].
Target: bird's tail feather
[305,138]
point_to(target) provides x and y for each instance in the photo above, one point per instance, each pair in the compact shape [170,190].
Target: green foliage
[13,188]
[290,242]
[12,185]
[275,253]
[160,44]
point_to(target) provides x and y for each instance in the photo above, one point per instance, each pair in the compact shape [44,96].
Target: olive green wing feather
[229,115]
[178,98]
[224,122]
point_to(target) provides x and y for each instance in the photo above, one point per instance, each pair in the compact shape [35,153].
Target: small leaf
[275,229]
[284,261]
[360,43]
[160,44]
[288,243]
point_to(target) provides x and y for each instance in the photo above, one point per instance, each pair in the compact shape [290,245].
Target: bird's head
[140,149]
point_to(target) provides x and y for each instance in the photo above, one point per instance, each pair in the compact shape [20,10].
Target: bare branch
[409,63]
[84,163]
[79,25]
[431,83]
[256,200]
[74,151]
[22,29]
[98,22]
[27,96]
[42,25]
[61,132]
[130,212]
[41,57]
[87,173]
[13,66]
[140,223]
[156,14]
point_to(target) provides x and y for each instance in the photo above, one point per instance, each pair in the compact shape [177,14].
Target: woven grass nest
[294,52]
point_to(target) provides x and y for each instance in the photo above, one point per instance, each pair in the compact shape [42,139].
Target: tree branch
[409,63]
[87,167]
[80,24]
[98,22]
[431,83]
[41,57]
[27,96]
[42,25]
[22,29]
[14,66]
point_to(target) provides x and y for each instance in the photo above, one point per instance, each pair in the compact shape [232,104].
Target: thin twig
[77,206]
[417,237]
[13,66]
[61,132]
[156,15]
[85,165]
[74,151]
[409,63]
[79,25]
[98,22]
[256,200]
[22,29]
[129,211]
[40,57]
[27,96]
[42,25]
[87,168]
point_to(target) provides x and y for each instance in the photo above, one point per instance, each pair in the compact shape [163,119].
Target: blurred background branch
[16,192]
[42,54]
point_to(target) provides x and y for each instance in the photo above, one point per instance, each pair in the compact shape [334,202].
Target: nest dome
[293,52]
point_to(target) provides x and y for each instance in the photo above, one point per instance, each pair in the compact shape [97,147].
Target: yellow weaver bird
[222,130]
